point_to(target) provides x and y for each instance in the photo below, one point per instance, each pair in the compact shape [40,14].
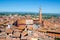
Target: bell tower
[40,16]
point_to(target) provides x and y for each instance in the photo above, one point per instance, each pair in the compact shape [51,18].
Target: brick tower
[40,16]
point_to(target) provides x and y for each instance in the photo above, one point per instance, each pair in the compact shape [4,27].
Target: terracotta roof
[30,27]
[34,38]
[16,34]
[54,35]
[2,38]
[8,38]
[21,27]
[24,33]
[9,30]
[1,23]
[22,21]
[15,38]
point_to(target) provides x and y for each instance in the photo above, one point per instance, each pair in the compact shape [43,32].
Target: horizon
[48,6]
[29,12]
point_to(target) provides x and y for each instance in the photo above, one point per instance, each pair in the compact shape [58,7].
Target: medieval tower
[40,16]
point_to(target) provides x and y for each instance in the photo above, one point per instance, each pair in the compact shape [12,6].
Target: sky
[48,6]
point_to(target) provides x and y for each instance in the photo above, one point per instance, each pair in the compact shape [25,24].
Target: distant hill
[29,13]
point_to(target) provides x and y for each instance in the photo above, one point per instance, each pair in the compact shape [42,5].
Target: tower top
[40,10]
[40,7]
